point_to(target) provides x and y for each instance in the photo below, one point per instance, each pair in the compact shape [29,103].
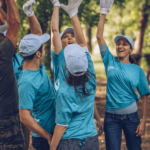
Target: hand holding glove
[105,6]
[72,7]
[28,9]
[55,3]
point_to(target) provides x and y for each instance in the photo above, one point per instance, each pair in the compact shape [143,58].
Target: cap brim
[66,31]
[3,28]
[119,37]
[45,37]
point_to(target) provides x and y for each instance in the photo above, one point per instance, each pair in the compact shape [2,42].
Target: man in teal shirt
[36,91]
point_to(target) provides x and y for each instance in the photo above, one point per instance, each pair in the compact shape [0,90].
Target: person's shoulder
[7,43]
[31,77]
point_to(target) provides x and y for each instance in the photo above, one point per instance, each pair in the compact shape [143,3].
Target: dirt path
[100,102]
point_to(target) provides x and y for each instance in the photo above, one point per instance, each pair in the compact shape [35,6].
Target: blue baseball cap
[124,37]
[69,29]
[31,43]
[76,59]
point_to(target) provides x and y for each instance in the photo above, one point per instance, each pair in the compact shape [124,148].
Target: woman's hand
[99,127]
[141,128]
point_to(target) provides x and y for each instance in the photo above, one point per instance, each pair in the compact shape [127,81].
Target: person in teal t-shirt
[123,78]
[58,60]
[35,89]
[76,87]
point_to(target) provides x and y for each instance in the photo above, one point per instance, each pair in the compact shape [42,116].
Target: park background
[126,17]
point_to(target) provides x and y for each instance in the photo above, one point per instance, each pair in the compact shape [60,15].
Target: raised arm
[56,44]
[72,10]
[34,23]
[105,7]
[79,36]
[100,30]
[3,16]
[13,21]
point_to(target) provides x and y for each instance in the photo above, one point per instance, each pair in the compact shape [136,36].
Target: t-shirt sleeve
[6,49]
[64,110]
[58,68]
[27,96]
[106,55]
[90,65]
[143,87]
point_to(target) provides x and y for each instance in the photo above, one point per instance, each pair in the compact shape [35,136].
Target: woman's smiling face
[68,38]
[123,48]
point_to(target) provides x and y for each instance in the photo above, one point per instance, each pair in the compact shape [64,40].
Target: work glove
[105,6]
[55,3]
[28,8]
[72,7]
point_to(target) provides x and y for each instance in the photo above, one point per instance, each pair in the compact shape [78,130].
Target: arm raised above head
[13,21]
[105,7]
[72,10]
[35,26]
[3,16]
[56,44]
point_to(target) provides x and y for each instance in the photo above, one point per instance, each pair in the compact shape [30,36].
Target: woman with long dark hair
[75,126]
[123,78]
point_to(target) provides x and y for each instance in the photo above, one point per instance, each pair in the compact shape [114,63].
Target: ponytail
[131,59]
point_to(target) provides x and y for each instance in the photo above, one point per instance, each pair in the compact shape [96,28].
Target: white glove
[72,8]
[55,3]
[105,6]
[28,9]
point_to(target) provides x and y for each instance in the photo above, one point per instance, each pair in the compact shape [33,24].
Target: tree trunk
[143,19]
[88,38]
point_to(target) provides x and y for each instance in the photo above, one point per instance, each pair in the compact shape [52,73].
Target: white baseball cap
[69,29]
[3,29]
[76,59]
[31,43]
[124,37]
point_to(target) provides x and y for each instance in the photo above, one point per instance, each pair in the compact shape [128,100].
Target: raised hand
[105,5]
[28,9]
[72,7]
[55,3]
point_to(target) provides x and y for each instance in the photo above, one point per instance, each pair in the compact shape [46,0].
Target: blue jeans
[91,143]
[40,143]
[113,125]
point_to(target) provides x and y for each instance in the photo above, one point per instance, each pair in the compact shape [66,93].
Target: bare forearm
[96,115]
[58,133]
[55,37]
[100,30]
[13,14]
[145,108]
[79,36]
[35,26]
[32,125]
[13,21]
[4,16]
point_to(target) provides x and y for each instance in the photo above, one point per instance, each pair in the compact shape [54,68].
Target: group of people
[61,115]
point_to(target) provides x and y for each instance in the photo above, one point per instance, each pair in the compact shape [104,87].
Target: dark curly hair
[79,83]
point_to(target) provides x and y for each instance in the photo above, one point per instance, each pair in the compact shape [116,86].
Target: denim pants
[40,143]
[91,143]
[113,125]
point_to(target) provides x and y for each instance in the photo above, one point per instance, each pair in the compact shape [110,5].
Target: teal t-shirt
[37,93]
[17,62]
[122,82]
[71,110]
